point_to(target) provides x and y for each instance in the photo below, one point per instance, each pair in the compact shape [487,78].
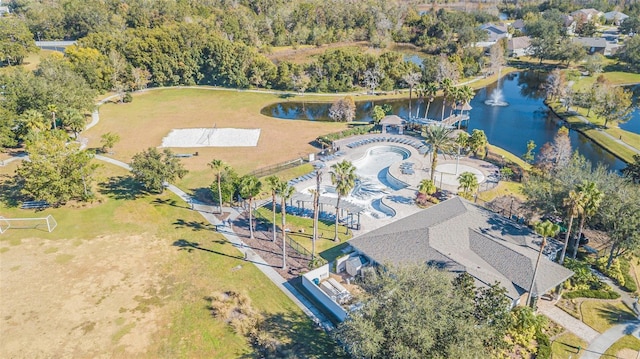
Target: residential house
[518,25]
[569,24]
[593,44]
[459,236]
[4,10]
[519,46]
[585,15]
[495,32]
[615,17]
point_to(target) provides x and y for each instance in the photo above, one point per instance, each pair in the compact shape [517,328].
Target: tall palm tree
[454,98]
[545,229]
[273,182]
[573,203]
[285,191]
[220,167]
[316,212]
[74,120]
[465,95]
[430,91]
[52,109]
[592,197]
[343,176]
[420,93]
[447,87]
[440,140]
[31,121]
[468,183]
[250,187]
[412,79]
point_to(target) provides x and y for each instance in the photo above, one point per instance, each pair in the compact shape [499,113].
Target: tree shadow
[168,202]
[122,187]
[203,195]
[185,245]
[10,194]
[194,225]
[614,315]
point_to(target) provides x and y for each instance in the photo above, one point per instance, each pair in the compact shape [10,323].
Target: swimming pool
[374,180]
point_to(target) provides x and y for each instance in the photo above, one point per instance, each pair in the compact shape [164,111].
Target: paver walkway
[606,339]
[583,119]
[570,323]
[207,211]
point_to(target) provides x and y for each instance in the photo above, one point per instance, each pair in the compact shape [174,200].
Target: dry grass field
[144,122]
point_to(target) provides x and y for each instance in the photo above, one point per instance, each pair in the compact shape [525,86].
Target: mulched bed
[270,251]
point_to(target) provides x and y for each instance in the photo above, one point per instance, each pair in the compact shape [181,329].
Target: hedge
[590,293]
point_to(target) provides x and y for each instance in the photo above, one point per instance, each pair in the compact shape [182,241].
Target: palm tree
[465,94]
[412,79]
[592,197]
[52,110]
[545,229]
[343,176]
[31,121]
[439,138]
[285,191]
[220,167]
[74,120]
[573,203]
[250,187]
[468,183]
[420,93]
[430,91]
[316,213]
[454,98]
[273,182]
[447,87]
[427,187]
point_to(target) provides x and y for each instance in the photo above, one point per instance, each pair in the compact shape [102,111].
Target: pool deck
[401,201]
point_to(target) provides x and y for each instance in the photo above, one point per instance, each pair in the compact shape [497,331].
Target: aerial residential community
[319,179]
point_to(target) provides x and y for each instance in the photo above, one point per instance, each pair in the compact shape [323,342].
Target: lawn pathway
[207,212]
[570,323]
[583,119]
[608,338]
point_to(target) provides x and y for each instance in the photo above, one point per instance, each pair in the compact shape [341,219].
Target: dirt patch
[270,251]
[627,354]
[98,299]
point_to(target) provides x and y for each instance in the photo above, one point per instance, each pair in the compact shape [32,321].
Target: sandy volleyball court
[81,299]
[212,137]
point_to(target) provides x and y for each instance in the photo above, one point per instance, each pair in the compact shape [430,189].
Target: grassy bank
[598,135]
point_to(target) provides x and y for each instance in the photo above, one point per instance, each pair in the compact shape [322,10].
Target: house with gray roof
[459,236]
[495,32]
[592,44]
[585,15]
[615,17]
[519,46]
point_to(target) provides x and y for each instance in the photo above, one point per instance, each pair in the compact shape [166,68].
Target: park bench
[34,204]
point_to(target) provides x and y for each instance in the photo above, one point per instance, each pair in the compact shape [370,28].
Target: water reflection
[511,127]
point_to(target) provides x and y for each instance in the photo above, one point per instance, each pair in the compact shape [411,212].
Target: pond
[510,127]
[633,125]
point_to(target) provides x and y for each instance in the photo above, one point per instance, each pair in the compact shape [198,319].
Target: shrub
[591,293]
[629,282]
[614,272]
[544,346]
[127,98]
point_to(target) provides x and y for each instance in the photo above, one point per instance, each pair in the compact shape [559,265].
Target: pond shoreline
[572,126]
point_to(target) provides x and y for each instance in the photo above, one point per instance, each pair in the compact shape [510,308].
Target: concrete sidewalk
[570,323]
[606,339]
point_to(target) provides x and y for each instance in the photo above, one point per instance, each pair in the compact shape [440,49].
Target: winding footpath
[584,120]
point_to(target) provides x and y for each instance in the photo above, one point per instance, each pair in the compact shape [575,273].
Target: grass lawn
[32,60]
[628,342]
[597,135]
[566,346]
[130,278]
[509,156]
[155,113]
[302,232]
[504,188]
[602,315]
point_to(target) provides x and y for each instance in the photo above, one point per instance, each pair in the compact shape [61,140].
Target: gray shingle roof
[459,236]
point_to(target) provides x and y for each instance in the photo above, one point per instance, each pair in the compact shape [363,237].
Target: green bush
[127,98]
[614,272]
[590,293]
[544,346]
[629,282]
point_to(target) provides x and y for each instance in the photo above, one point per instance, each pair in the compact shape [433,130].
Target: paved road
[604,341]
